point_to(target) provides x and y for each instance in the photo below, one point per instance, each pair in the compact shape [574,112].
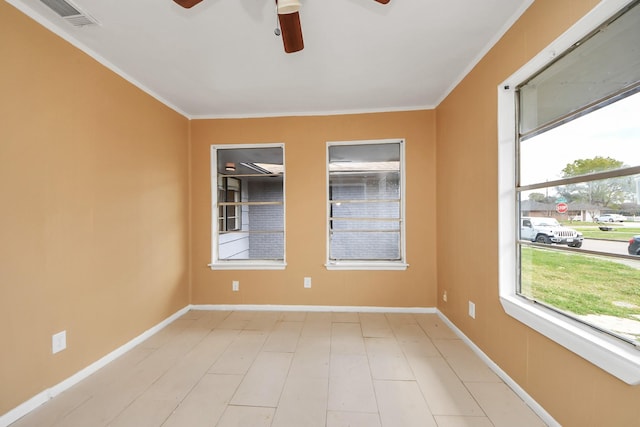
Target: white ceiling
[222,59]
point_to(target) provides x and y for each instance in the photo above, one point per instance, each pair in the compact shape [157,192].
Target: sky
[612,131]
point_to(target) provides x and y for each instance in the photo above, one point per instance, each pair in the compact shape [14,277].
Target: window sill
[366,265]
[248,265]
[617,358]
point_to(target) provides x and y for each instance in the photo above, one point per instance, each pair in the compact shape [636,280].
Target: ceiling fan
[289,19]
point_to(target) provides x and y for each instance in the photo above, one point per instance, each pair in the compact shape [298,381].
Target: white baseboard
[48,394]
[31,404]
[535,406]
[314,308]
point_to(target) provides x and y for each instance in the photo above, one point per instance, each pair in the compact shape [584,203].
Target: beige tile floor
[292,369]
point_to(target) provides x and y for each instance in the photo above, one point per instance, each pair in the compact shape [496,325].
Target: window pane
[252,246]
[265,189]
[251,203]
[598,290]
[347,157]
[379,209]
[229,213]
[579,78]
[605,213]
[365,206]
[371,245]
[267,245]
[612,132]
[266,217]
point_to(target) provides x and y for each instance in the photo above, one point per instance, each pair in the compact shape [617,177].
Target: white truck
[548,230]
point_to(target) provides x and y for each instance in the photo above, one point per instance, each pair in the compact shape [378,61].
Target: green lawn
[580,284]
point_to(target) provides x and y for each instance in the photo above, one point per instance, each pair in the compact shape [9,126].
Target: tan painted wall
[93,218]
[93,209]
[305,152]
[575,392]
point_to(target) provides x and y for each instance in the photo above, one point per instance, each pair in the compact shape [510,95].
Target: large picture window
[570,213]
[365,205]
[248,196]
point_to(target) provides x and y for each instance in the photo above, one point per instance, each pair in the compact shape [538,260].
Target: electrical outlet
[58,342]
[307,282]
[444,296]
[472,310]
[235,286]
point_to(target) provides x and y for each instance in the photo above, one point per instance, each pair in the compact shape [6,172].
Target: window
[248,197]
[229,208]
[569,147]
[365,223]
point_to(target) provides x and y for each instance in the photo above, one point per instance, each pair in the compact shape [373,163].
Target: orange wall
[93,209]
[305,152]
[94,196]
[575,392]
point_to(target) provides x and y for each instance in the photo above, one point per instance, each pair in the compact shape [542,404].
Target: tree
[538,197]
[587,166]
[602,193]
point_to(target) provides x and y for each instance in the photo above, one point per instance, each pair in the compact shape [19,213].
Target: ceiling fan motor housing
[287,6]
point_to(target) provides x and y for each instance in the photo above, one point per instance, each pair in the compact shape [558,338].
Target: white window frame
[612,355]
[370,265]
[217,264]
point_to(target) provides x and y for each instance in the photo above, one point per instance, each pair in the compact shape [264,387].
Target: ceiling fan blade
[383,1]
[187,4]
[291,32]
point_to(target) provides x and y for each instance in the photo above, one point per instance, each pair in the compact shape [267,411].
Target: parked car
[548,230]
[610,218]
[634,245]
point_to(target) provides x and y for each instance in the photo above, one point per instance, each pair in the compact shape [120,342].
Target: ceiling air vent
[70,13]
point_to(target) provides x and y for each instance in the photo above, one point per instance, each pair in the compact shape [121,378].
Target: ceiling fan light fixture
[230,167]
[288,6]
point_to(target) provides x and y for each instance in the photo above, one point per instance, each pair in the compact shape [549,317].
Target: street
[611,247]
[606,246]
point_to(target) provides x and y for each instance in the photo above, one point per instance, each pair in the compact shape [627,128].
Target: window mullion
[617,173]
